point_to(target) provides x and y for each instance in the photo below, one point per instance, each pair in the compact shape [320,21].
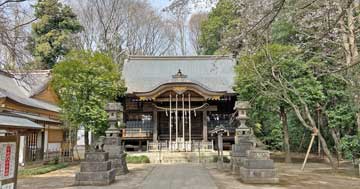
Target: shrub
[137,159]
[225,159]
[351,147]
[42,169]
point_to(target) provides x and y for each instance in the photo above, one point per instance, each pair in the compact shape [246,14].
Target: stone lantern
[112,140]
[242,131]
[115,112]
[243,137]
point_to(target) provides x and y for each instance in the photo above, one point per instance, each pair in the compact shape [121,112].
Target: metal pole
[176,121]
[190,121]
[170,125]
[183,120]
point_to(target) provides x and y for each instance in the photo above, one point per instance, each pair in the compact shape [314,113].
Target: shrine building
[173,102]
[28,108]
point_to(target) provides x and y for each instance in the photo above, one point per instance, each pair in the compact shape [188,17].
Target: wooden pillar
[155,126]
[183,120]
[170,112]
[190,120]
[205,130]
[176,122]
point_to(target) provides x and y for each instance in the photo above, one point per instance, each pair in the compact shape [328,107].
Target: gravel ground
[315,176]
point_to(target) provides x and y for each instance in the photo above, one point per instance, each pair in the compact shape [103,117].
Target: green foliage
[283,32]
[225,159]
[212,29]
[351,146]
[137,159]
[273,139]
[341,116]
[85,82]
[289,62]
[42,169]
[275,71]
[51,34]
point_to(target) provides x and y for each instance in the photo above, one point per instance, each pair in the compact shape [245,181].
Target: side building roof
[17,122]
[145,73]
[13,88]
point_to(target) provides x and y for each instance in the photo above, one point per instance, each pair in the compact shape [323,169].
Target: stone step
[95,178]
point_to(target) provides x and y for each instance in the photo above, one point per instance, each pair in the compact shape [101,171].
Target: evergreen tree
[51,34]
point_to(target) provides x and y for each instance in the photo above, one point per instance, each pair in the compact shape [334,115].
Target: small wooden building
[29,96]
[172,102]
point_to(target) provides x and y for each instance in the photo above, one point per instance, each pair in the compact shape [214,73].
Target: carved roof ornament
[179,75]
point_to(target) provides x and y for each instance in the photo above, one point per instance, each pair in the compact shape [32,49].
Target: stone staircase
[178,157]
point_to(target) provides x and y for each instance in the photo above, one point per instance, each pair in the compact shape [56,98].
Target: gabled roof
[35,117]
[17,122]
[146,73]
[33,82]
[11,87]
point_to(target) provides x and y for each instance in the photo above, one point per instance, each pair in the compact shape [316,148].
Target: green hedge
[42,169]
[137,159]
[225,159]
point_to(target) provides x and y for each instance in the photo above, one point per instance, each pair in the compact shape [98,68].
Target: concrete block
[258,154]
[114,151]
[116,141]
[259,176]
[120,166]
[95,166]
[95,178]
[258,164]
[96,156]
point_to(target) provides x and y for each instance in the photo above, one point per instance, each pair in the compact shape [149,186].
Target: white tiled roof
[144,73]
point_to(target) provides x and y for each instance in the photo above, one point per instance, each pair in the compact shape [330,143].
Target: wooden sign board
[9,156]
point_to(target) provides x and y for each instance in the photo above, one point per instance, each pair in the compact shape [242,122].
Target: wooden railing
[135,133]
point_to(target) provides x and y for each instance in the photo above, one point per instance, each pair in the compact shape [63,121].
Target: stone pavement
[178,176]
[156,176]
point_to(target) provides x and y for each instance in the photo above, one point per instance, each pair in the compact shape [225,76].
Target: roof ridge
[206,57]
[8,74]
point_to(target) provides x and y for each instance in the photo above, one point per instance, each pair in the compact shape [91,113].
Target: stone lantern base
[117,156]
[238,154]
[258,168]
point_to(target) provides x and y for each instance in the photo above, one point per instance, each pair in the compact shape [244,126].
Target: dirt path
[64,179]
[315,176]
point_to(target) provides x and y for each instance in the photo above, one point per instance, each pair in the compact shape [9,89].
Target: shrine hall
[173,102]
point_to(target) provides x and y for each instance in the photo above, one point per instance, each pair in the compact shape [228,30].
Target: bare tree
[15,17]
[195,29]
[122,27]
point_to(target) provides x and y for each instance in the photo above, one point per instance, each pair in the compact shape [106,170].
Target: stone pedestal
[243,137]
[243,143]
[258,168]
[96,170]
[117,156]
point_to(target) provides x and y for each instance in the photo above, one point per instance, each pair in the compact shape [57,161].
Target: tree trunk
[358,122]
[336,137]
[86,139]
[327,151]
[286,144]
